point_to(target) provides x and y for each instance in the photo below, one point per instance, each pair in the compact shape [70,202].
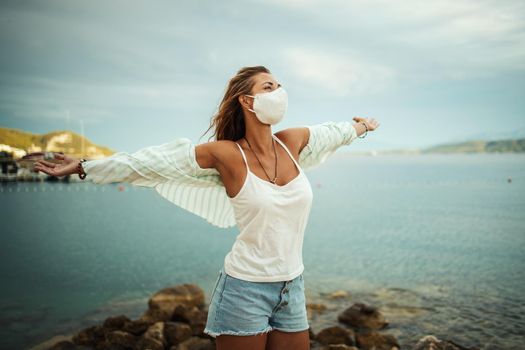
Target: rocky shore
[176,316]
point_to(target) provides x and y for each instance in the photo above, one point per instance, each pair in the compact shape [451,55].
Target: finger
[46,170]
[42,168]
[49,164]
[59,156]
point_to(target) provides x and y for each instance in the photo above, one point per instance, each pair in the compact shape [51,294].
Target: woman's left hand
[371,123]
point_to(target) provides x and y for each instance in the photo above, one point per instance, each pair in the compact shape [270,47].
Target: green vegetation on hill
[480,146]
[57,141]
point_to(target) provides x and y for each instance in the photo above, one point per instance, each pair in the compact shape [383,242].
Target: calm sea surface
[437,242]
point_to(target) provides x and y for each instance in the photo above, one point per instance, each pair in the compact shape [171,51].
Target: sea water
[435,241]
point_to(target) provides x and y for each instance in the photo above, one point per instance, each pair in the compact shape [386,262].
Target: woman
[251,178]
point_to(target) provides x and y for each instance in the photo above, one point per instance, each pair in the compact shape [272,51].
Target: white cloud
[477,35]
[341,74]
[455,39]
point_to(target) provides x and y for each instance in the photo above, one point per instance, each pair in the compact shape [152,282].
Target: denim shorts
[240,307]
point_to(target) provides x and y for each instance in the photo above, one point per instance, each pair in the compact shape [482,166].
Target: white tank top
[271,220]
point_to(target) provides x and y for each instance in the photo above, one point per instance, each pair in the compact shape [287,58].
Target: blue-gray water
[436,241]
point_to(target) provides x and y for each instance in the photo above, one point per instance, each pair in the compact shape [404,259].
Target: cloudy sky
[139,73]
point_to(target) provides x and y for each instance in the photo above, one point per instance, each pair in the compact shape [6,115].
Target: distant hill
[21,142]
[514,134]
[473,146]
[479,146]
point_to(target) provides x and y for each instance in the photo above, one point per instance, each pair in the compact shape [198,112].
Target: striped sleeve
[209,202]
[204,195]
[172,169]
[325,139]
[148,166]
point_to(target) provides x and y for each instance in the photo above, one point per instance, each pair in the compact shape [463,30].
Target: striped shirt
[172,169]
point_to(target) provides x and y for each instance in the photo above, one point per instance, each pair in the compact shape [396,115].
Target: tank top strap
[243,156]
[287,151]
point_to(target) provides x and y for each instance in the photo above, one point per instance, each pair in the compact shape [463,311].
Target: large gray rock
[67,345]
[153,338]
[430,342]
[136,327]
[115,322]
[336,335]
[163,303]
[192,315]
[121,339]
[376,341]
[338,347]
[90,336]
[181,294]
[177,332]
[362,316]
[195,343]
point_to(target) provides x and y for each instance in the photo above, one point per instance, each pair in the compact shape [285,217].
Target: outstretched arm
[325,138]
[149,166]
[179,171]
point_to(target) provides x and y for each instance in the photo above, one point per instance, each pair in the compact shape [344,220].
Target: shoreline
[337,317]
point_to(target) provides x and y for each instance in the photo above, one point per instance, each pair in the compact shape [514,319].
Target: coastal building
[9,166]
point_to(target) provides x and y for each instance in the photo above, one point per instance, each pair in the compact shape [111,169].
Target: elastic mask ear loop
[251,110]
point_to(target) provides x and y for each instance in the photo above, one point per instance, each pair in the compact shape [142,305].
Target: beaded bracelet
[366,132]
[81,174]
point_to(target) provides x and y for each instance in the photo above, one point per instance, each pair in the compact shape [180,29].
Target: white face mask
[270,107]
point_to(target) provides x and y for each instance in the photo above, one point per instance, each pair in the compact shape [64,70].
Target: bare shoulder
[295,138]
[210,154]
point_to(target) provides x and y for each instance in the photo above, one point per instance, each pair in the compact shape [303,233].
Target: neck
[260,139]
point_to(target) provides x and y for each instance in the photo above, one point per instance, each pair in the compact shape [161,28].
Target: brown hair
[228,122]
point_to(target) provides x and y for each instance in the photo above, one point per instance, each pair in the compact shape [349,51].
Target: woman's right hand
[66,167]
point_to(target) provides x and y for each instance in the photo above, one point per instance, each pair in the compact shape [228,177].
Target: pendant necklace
[275,153]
